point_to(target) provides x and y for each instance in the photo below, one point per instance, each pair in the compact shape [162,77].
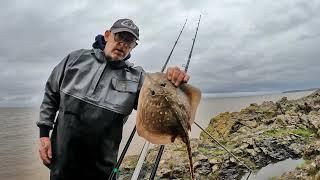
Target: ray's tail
[187,141]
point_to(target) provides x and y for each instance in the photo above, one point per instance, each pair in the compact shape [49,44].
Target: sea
[19,135]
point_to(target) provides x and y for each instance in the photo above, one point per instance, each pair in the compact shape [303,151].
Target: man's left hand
[177,76]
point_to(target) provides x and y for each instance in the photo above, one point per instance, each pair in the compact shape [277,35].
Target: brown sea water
[19,135]
[18,145]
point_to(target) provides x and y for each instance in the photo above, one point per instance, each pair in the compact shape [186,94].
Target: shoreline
[259,134]
[208,108]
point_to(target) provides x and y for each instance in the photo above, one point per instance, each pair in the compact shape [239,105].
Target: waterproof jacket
[94,97]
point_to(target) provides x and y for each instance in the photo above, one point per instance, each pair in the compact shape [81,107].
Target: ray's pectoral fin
[194,96]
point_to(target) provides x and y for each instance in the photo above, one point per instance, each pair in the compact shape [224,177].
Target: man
[94,91]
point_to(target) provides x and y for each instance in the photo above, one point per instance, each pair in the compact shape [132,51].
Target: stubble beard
[109,58]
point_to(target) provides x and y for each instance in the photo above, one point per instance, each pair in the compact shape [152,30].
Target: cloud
[241,45]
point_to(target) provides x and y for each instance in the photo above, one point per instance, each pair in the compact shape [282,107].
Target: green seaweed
[282,132]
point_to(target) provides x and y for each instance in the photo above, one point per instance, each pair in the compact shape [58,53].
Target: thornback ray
[166,112]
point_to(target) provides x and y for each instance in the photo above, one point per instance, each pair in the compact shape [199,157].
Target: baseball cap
[126,25]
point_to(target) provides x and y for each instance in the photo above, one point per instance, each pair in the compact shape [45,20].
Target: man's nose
[124,45]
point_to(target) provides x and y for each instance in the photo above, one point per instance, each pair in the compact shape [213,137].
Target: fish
[166,112]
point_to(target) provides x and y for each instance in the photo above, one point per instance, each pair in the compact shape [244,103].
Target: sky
[242,45]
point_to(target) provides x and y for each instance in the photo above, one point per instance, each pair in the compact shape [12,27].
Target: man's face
[119,45]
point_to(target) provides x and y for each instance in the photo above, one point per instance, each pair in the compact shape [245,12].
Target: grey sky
[243,45]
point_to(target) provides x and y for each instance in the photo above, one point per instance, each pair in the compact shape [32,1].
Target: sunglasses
[126,38]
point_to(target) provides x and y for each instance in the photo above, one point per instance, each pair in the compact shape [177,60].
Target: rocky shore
[259,135]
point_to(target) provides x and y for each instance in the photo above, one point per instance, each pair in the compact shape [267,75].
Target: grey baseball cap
[125,25]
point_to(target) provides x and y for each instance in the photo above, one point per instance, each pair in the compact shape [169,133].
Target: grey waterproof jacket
[94,97]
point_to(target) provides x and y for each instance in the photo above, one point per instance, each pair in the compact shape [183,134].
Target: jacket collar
[113,64]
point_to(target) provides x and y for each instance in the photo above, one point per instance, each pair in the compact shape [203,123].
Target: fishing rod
[175,43]
[190,54]
[156,164]
[250,170]
[141,159]
[124,151]
[115,169]
[162,146]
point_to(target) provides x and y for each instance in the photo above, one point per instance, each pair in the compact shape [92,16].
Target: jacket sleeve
[51,99]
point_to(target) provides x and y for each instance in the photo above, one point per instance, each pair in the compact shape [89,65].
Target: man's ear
[107,35]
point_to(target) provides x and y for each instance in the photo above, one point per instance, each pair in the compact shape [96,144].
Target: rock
[252,152]
[275,150]
[261,128]
[214,168]
[178,172]
[315,121]
[163,161]
[312,150]
[288,119]
[314,113]
[202,158]
[282,101]
[236,126]
[315,94]
[264,150]
[317,162]
[213,161]
[229,174]
[220,125]
[253,104]
[317,176]
[165,173]
[257,149]
[281,105]
[296,148]
[233,160]
[243,146]
[251,124]
[238,151]
[249,141]
[244,130]
[294,136]
[196,164]
[304,119]
[304,107]
[203,168]
[268,121]
[130,162]
[287,138]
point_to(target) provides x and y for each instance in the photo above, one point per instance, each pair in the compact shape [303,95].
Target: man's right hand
[45,150]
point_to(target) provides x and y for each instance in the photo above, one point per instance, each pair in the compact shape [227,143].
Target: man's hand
[177,76]
[45,150]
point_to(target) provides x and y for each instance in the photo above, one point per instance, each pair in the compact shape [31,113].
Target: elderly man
[94,92]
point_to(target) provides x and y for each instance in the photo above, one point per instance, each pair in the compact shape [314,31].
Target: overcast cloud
[242,45]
